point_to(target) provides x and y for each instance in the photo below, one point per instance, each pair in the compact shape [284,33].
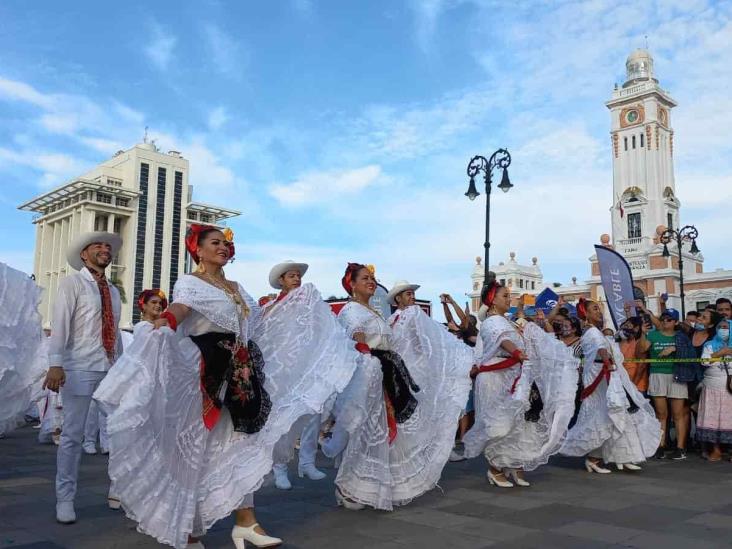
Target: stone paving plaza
[668,505]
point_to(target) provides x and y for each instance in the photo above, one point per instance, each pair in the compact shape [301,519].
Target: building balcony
[633,245]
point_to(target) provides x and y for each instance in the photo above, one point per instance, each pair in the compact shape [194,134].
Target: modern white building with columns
[143,195]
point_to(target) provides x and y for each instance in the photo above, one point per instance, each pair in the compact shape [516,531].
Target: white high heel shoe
[240,534]
[346,503]
[513,475]
[495,481]
[595,468]
[628,467]
[195,545]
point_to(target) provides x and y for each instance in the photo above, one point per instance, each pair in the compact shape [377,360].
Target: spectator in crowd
[666,392]
[704,329]
[692,317]
[467,331]
[724,307]
[634,346]
[714,426]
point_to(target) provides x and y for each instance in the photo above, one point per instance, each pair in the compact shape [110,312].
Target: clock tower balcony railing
[632,245]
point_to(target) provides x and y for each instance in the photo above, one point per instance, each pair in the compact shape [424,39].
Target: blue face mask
[723,334]
[699,327]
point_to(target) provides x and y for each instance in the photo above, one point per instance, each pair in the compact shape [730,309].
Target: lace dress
[615,422]
[440,365]
[23,347]
[522,412]
[308,356]
[173,475]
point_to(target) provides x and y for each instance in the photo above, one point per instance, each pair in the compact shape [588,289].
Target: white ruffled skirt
[23,347]
[172,475]
[501,430]
[382,475]
[606,428]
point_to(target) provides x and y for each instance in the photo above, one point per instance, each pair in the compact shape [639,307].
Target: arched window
[633,138]
[642,145]
[625,143]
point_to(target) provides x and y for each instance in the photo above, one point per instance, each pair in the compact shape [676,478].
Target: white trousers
[77,398]
[308,444]
[96,423]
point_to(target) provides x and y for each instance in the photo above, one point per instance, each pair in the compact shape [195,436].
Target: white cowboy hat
[80,243]
[399,287]
[281,268]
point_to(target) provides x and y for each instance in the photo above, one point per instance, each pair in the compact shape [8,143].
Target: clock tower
[644,193]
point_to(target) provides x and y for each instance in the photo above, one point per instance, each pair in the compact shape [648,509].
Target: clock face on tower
[630,116]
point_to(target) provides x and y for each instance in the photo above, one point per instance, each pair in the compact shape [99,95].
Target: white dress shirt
[76,325]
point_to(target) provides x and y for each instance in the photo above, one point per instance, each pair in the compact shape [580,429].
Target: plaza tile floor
[668,505]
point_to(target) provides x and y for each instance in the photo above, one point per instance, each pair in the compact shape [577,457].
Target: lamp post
[501,159]
[689,233]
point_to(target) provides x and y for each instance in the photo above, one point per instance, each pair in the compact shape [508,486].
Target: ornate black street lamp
[501,159]
[689,233]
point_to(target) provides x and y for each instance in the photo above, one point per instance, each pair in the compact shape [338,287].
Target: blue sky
[342,129]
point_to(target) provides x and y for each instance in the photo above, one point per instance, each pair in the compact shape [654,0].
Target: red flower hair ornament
[351,271]
[582,308]
[488,293]
[194,233]
[147,294]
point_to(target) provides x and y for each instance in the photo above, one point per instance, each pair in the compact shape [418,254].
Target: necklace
[221,284]
[370,308]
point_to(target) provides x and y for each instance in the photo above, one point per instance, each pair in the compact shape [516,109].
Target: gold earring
[201,268]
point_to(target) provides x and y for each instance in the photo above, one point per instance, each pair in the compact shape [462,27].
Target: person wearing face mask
[704,329]
[634,346]
[714,423]
[615,423]
[525,388]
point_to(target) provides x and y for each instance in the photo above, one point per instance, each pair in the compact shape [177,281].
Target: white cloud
[160,48]
[316,187]
[20,91]
[227,55]
[55,168]
[217,118]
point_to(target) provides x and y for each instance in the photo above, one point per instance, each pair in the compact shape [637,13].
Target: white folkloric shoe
[346,503]
[628,467]
[195,545]
[310,471]
[282,482]
[496,481]
[65,513]
[595,467]
[240,534]
[513,474]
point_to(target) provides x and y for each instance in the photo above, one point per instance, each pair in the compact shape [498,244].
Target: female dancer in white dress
[440,364]
[188,447]
[23,358]
[524,394]
[391,455]
[616,424]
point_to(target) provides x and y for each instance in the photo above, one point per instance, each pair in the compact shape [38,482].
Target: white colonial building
[143,195]
[521,279]
[644,199]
